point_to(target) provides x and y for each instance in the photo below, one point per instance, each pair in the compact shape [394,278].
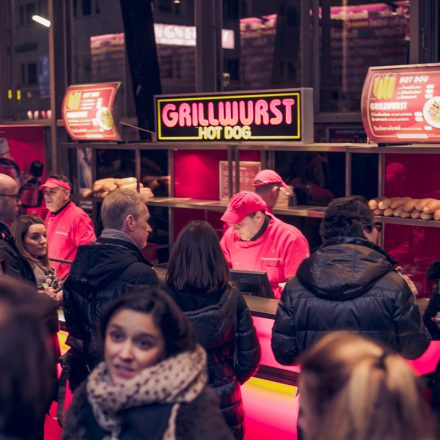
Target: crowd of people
[165,358]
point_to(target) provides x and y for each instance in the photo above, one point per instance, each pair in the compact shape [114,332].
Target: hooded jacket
[347,284]
[101,273]
[225,330]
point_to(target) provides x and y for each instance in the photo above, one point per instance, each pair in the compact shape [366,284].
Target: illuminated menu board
[88,112]
[402,104]
[244,116]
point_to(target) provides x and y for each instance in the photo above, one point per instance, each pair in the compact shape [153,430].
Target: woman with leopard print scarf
[152,382]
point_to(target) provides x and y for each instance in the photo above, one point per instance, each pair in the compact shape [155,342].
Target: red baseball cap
[52,182]
[267,177]
[241,205]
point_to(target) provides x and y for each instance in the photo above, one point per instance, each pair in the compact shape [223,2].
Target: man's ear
[128,223]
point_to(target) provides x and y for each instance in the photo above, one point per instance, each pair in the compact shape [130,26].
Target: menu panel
[401,104]
[88,112]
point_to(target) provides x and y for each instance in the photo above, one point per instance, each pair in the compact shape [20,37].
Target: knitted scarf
[175,380]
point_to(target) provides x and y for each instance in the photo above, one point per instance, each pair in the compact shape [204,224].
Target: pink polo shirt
[66,230]
[278,252]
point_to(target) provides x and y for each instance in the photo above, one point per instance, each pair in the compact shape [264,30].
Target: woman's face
[133,342]
[35,240]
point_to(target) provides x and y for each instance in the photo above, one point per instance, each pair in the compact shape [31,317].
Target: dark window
[165,6]
[86,7]
[30,11]
[22,19]
[32,73]
[23,74]
[231,9]
[233,68]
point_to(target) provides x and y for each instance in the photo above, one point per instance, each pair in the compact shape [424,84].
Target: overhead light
[177,2]
[41,20]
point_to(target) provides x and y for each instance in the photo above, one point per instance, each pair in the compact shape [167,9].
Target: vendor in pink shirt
[268,184]
[68,226]
[256,240]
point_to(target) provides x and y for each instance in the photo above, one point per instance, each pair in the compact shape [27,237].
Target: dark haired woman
[198,280]
[30,237]
[152,382]
[349,283]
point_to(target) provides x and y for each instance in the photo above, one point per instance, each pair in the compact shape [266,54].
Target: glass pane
[175,35]
[26,66]
[354,36]
[261,44]
[317,178]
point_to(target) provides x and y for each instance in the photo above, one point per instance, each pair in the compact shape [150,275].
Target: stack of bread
[102,187]
[406,207]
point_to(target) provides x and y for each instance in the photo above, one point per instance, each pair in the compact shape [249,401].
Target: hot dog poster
[401,104]
[88,112]
[245,116]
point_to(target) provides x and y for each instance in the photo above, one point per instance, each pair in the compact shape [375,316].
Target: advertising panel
[243,116]
[88,112]
[402,104]
[248,171]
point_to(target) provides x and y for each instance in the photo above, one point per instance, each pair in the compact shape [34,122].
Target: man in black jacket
[10,262]
[349,283]
[105,270]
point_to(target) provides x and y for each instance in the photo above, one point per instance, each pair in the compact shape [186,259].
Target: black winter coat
[197,420]
[225,330]
[100,273]
[347,284]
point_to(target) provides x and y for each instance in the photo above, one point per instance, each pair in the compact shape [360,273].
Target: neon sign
[273,115]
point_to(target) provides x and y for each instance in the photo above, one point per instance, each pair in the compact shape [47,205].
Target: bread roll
[374,202]
[99,184]
[405,214]
[125,181]
[86,192]
[424,216]
[398,201]
[432,206]
[437,215]
[384,204]
[398,211]
[415,213]
[146,192]
[377,211]
[422,203]
[388,212]
[410,204]
[130,186]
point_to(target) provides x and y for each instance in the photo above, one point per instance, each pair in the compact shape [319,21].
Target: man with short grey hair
[10,261]
[105,270]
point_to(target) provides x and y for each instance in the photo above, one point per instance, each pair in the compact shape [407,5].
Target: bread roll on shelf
[410,205]
[396,202]
[373,203]
[398,211]
[432,206]
[422,203]
[415,214]
[388,212]
[424,216]
[437,215]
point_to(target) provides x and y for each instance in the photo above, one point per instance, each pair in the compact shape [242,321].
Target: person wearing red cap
[267,184]
[68,226]
[256,240]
